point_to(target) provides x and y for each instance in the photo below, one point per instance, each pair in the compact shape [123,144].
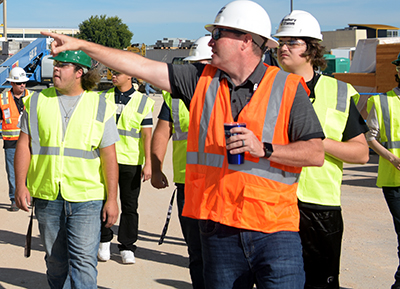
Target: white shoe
[127,257]
[104,251]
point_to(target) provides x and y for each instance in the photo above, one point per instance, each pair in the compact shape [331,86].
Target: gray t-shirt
[303,121]
[67,106]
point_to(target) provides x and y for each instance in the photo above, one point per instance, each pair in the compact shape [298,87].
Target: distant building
[349,36]
[173,43]
[30,34]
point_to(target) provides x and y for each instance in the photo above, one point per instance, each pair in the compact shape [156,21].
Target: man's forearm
[299,153]
[22,159]
[132,64]
[159,143]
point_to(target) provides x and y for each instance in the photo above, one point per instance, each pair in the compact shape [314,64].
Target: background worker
[134,122]
[173,120]
[66,153]
[321,223]
[12,107]
[248,213]
[383,138]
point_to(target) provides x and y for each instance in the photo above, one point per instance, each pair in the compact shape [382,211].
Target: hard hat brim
[271,43]
[18,81]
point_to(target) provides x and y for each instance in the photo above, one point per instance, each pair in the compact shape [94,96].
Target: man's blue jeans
[70,233]
[235,258]
[392,197]
[9,154]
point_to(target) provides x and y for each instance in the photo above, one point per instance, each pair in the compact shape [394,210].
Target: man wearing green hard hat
[384,138]
[66,154]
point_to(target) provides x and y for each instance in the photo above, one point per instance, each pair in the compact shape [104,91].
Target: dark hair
[397,80]
[315,52]
[90,79]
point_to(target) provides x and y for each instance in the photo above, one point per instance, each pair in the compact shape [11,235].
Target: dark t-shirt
[9,144]
[303,123]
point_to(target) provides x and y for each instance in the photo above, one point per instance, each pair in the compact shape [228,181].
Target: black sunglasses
[216,33]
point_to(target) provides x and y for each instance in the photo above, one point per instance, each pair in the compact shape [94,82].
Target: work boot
[104,251]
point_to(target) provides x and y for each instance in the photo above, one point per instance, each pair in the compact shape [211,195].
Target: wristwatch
[268,149]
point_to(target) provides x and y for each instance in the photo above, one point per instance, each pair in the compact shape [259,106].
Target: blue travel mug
[236,159]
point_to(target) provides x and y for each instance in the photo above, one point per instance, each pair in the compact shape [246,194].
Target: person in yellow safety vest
[12,107]
[248,214]
[173,121]
[384,138]
[134,122]
[321,223]
[66,154]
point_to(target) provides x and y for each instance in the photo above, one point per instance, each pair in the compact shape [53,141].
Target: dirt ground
[369,256]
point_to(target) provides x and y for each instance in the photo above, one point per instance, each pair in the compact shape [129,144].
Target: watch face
[268,149]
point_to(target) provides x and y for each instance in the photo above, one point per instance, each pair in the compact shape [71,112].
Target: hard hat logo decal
[288,21]
[220,11]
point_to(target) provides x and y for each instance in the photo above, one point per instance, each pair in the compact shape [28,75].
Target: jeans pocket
[208,227]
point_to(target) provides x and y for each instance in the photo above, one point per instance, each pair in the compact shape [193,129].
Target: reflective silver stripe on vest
[202,158]
[262,168]
[54,151]
[274,104]
[341,96]
[386,119]
[101,110]
[142,104]
[5,98]
[131,133]
[10,133]
[89,155]
[178,134]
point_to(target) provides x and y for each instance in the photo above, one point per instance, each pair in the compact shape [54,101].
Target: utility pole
[4,2]
[291,6]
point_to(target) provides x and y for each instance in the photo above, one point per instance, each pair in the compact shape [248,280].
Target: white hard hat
[246,16]
[299,24]
[200,50]
[17,75]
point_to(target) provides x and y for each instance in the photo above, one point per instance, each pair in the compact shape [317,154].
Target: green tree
[108,31]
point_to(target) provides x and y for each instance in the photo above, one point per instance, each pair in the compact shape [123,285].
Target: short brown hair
[315,52]
[90,79]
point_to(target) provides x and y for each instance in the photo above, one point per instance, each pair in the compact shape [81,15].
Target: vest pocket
[259,204]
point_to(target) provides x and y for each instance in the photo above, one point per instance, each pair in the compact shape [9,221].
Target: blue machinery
[29,58]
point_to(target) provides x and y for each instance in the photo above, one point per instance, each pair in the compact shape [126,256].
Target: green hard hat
[78,57]
[397,61]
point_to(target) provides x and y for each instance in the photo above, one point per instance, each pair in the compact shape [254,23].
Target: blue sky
[152,20]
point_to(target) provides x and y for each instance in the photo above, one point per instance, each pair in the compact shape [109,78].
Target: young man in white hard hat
[383,138]
[248,213]
[65,159]
[173,121]
[12,107]
[321,224]
[134,122]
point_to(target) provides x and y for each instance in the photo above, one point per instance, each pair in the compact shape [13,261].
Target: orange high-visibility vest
[10,116]
[258,195]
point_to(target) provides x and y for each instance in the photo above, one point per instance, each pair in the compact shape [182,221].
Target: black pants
[129,188]
[392,197]
[191,233]
[321,236]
